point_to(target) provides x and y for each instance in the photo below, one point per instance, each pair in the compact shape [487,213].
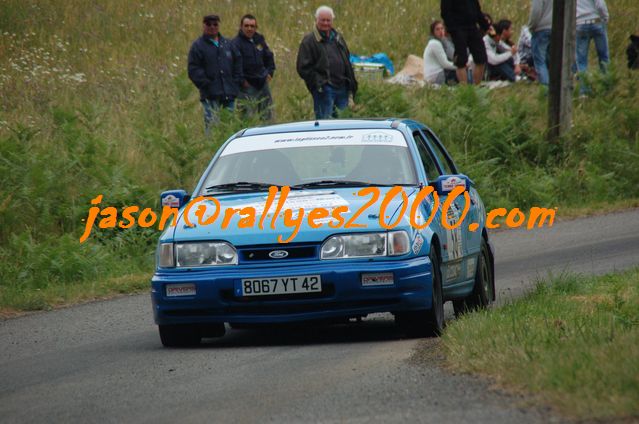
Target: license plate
[280,285]
[174,290]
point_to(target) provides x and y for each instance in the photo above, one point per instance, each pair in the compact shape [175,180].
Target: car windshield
[301,160]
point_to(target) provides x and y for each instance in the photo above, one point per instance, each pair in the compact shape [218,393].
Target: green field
[94,99]
[573,343]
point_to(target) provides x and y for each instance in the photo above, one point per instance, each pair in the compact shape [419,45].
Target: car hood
[367,218]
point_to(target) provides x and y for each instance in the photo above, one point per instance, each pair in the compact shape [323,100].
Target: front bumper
[342,293]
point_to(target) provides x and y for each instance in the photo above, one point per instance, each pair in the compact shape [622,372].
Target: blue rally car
[322,220]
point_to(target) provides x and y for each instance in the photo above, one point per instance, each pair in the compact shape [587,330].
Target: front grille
[261,253]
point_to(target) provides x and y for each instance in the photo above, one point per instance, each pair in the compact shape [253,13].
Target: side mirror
[446,183]
[174,198]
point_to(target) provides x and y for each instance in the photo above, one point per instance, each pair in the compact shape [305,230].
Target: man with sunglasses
[215,67]
[258,67]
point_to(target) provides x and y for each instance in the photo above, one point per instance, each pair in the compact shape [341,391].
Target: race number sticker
[453,237]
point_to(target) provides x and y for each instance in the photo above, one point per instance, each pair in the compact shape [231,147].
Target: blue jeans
[503,72]
[327,102]
[540,44]
[211,108]
[598,33]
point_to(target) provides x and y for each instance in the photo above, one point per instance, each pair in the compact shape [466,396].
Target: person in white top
[436,63]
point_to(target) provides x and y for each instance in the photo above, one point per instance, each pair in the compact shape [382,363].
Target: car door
[470,240]
[452,244]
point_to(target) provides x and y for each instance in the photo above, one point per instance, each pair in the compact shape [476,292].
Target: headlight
[205,254]
[365,245]
[164,256]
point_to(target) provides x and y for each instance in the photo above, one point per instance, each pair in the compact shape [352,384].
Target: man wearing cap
[258,67]
[323,62]
[215,67]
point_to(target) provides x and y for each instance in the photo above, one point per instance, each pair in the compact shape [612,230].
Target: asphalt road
[103,362]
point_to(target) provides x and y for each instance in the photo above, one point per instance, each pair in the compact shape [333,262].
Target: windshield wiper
[335,183]
[241,186]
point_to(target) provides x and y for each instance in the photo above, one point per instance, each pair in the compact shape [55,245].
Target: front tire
[429,322]
[180,335]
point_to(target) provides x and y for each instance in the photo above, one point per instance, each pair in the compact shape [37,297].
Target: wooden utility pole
[562,57]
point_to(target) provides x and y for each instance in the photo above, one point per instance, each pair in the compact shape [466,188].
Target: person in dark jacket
[215,67]
[323,62]
[258,67]
[633,51]
[462,18]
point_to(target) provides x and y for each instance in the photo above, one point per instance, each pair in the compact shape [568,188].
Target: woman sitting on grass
[438,69]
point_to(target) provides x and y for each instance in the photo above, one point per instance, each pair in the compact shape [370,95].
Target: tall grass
[573,342]
[94,99]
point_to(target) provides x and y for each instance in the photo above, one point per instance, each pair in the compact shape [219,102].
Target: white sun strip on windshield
[381,137]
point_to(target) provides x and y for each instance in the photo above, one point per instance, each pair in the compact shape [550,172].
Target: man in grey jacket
[592,19]
[540,24]
[324,65]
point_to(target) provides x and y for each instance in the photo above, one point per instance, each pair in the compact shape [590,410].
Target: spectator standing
[540,24]
[323,62]
[592,19]
[258,67]
[524,49]
[436,62]
[462,18]
[215,67]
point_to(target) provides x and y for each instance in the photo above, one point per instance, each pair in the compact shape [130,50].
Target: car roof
[321,125]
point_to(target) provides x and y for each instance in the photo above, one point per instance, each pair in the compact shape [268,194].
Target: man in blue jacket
[215,67]
[258,67]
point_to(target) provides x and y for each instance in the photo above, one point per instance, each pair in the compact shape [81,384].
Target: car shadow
[376,329]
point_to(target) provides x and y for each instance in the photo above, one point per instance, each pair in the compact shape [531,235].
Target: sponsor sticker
[377,137]
[451,182]
[171,201]
[252,143]
[418,243]
[470,267]
[453,272]
[378,279]
[184,289]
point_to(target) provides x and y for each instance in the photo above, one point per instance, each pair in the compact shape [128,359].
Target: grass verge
[573,342]
[14,302]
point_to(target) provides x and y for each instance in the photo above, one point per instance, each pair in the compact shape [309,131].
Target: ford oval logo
[278,254]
